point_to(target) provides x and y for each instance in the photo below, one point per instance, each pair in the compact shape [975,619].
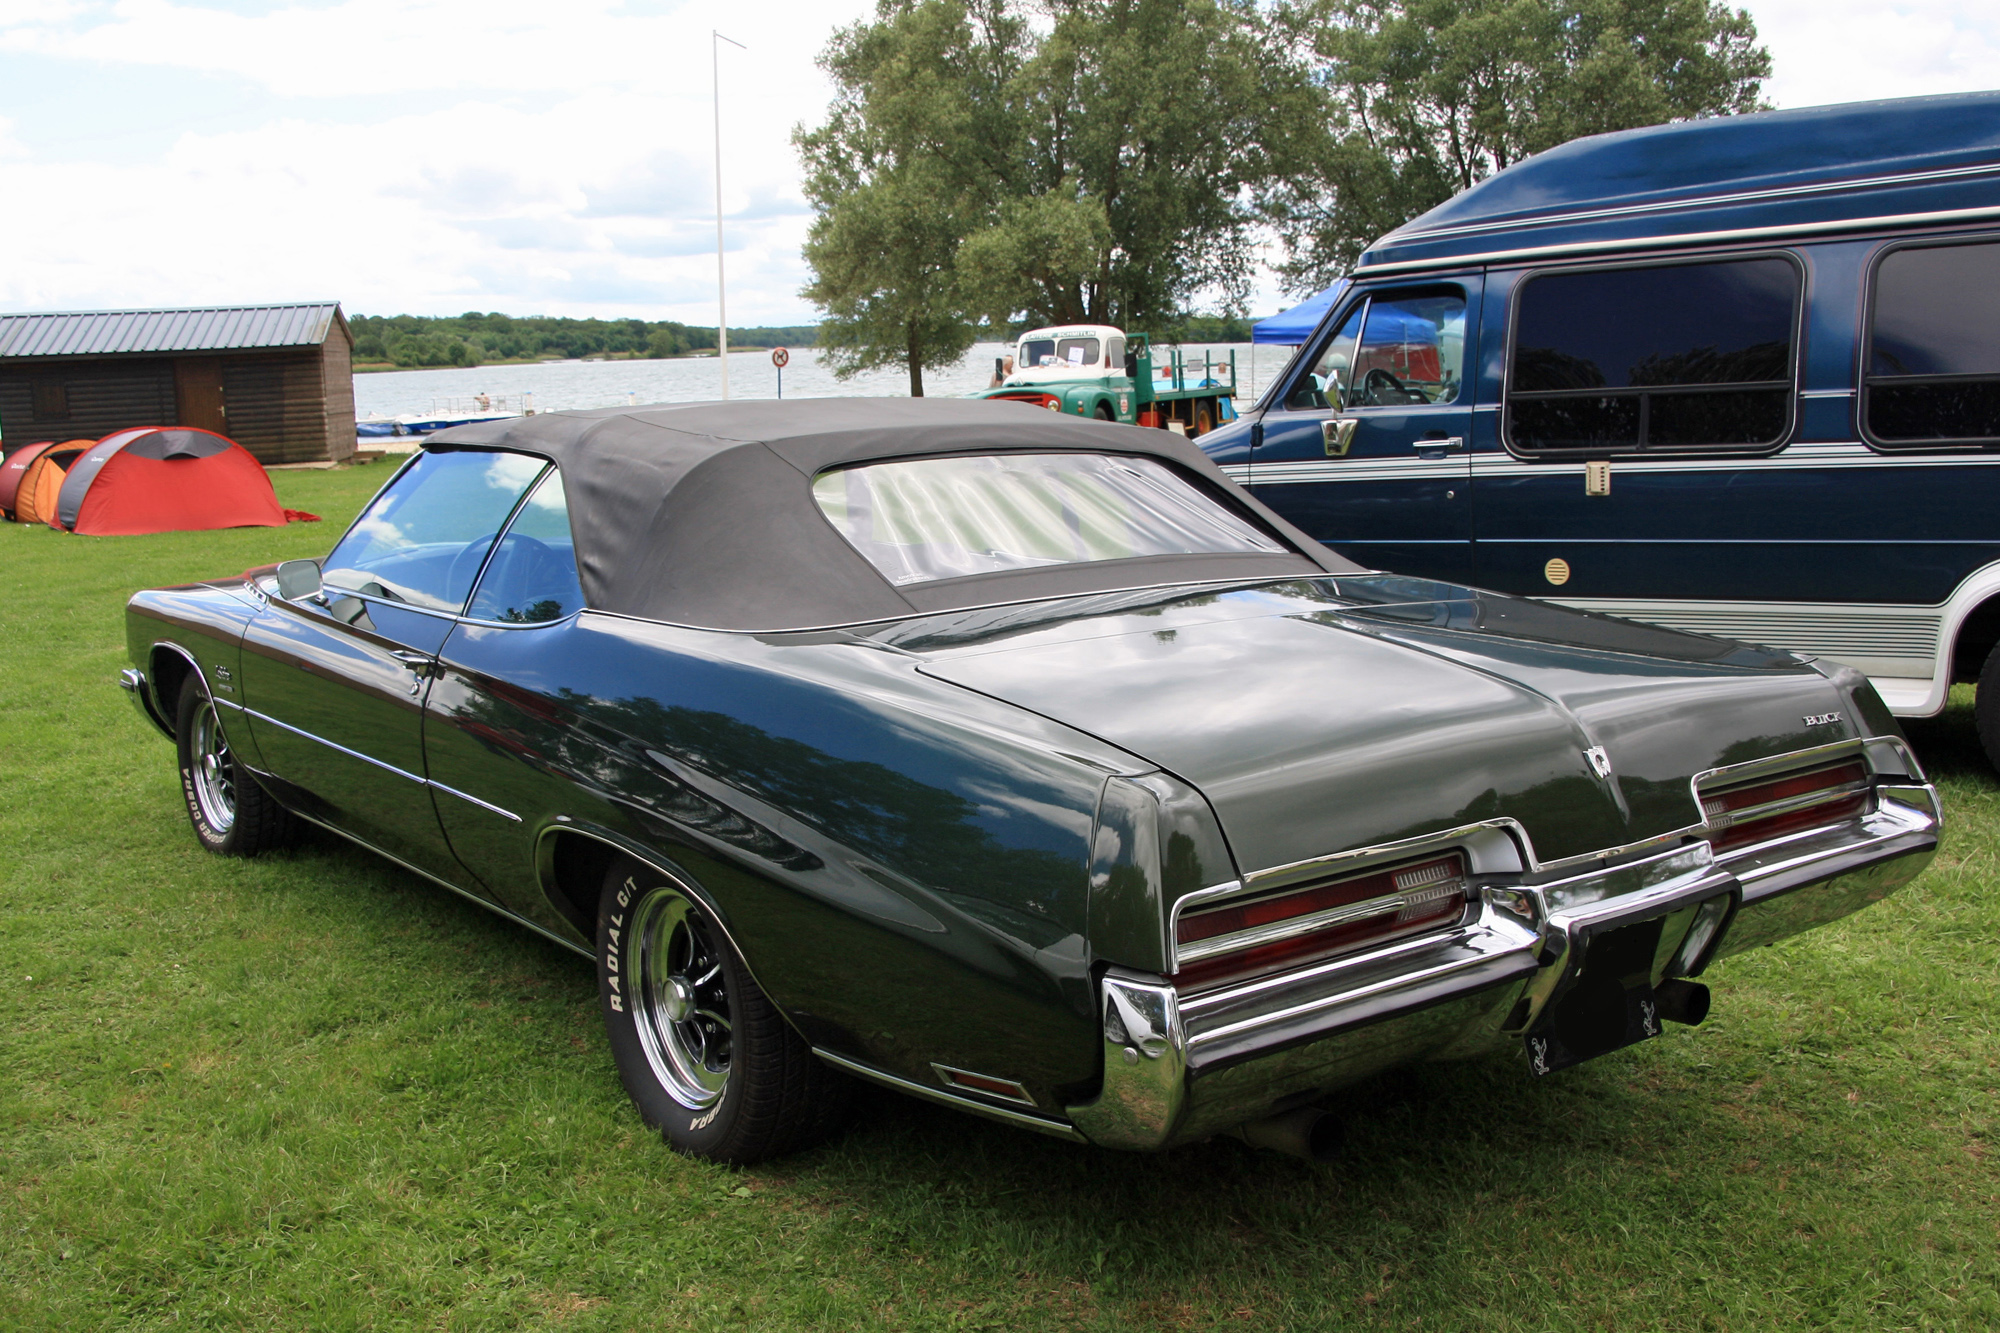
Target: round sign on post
[779,356]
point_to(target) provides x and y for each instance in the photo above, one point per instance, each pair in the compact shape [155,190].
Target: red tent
[166,479]
[14,469]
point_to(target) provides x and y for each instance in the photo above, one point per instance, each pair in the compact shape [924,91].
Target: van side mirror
[298,579]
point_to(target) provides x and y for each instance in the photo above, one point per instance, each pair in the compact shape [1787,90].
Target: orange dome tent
[165,479]
[41,480]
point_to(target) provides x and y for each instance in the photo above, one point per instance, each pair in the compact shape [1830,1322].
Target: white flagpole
[721,301]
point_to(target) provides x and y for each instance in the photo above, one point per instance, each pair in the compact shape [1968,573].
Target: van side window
[1933,372]
[1667,357]
[1397,349]
[1326,383]
[1412,352]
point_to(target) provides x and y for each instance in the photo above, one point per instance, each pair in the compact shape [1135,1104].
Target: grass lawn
[313,1091]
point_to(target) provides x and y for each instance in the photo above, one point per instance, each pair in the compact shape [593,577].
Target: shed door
[198,393]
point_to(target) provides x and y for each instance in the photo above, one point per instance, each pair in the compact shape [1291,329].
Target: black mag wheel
[232,815]
[703,1053]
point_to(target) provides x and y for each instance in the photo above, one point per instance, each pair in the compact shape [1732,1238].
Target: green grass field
[314,1091]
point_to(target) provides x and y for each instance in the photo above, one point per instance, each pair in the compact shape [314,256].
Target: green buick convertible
[1018,762]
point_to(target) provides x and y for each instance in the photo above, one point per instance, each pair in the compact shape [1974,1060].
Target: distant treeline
[474,339]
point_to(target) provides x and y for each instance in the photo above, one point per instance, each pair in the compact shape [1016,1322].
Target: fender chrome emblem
[1822,719]
[1600,762]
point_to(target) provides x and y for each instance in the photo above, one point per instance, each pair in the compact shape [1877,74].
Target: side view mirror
[298,579]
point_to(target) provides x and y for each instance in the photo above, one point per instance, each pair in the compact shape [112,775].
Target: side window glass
[1683,356]
[1326,383]
[1934,347]
[422,540]
[531,578]
[1412,352]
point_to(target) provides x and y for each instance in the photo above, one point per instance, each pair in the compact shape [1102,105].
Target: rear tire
[702,1051]
[232,815]
[1986,707]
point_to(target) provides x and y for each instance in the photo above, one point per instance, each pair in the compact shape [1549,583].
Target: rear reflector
[1319,920]
[1797,801]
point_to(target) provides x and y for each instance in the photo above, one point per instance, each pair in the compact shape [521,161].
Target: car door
[1365,448]
[333,683]
[492,720]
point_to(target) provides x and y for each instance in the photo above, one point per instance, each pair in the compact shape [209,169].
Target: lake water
[573,385]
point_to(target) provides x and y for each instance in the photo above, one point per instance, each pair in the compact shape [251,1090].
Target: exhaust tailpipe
[1306,1132]
[1682,1001]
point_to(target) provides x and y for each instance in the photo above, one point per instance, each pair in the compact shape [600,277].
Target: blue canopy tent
[1294,326]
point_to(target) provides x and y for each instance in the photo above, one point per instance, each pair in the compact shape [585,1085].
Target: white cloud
[574,176]
[1858,50]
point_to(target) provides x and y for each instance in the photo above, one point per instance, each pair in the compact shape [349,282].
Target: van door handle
[1440,442]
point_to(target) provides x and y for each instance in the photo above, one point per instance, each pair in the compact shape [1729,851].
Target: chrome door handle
[1440,442]
[421,663]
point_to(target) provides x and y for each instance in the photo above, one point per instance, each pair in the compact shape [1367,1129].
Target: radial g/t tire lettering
[702,1051]
[232,815]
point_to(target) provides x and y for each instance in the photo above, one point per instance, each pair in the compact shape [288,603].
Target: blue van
[1739,376]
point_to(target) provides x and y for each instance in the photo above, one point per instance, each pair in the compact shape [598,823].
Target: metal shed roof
[203,329]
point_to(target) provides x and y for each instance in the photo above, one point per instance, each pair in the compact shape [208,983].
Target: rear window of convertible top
[946,518]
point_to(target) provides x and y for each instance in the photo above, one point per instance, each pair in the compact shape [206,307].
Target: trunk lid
[1322,715]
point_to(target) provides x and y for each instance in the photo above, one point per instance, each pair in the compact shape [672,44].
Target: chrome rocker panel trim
[1182,1067]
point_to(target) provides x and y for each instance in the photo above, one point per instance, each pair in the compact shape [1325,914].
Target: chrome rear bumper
[1179,1068]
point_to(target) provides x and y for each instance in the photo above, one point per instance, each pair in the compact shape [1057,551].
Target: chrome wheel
[214,770]
[680,999]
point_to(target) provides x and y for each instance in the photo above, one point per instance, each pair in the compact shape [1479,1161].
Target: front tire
[702,1051]
[232,815]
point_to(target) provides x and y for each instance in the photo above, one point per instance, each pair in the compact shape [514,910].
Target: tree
[1424,98]
[906,165]
[1144,126]
[1096,164]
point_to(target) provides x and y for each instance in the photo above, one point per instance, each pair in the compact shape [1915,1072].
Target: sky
[439,156]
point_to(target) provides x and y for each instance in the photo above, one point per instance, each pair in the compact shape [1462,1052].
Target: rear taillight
[1301,925]
[1761,811]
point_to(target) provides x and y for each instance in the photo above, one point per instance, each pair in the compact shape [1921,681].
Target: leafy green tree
[1144,127]
[1424,98]
[908,163]
[1096,163]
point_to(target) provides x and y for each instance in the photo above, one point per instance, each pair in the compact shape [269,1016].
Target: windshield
[943,518]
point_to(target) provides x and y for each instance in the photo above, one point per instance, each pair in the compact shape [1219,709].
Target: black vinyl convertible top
[702,513]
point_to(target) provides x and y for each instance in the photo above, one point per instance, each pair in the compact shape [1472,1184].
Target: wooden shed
[277,379]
